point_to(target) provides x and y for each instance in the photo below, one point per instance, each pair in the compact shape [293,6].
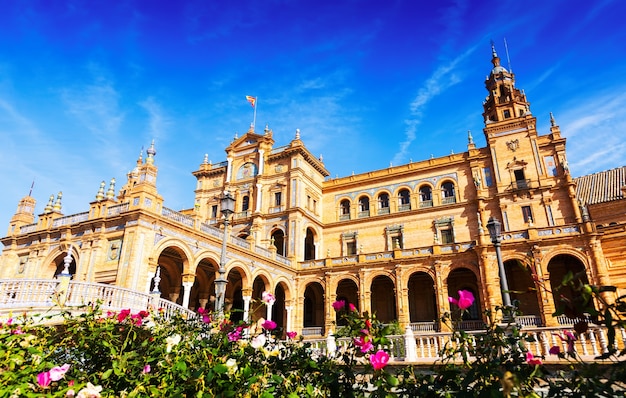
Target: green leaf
[106,374]
[220,368]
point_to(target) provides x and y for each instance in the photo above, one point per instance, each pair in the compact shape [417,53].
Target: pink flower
[570,339]
[206,318]
[58,372]
[466,299]
[339,305]
[292,335]
[235,335]
[123,314]
[379,360]
[555,350]
[269,325]
[531,360]
[268,298]
[352,307]
[43,379]
[364,343]
[146,369]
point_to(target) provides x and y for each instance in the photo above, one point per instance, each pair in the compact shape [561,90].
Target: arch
[383,303]
[567,297]
[313,311]
[422,297]
[348,291]
[462,278]
[448,192]
[59,264]
[172,262]
[522,287]
[279,312]
[364,206]
[425,195]
[261,284]
[180,247]
[344,209]
[278,240]
[404,199]
[383,203]
[309,244]
[203,290]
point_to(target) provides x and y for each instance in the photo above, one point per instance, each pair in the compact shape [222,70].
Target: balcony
[518,185]
[362,214]
[426,203]
[448,200]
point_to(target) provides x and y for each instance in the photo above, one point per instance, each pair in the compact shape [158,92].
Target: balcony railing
[426,203]
[363,214]
[447,200]
[520,184]
[404,207]
[343,217]
[383,210]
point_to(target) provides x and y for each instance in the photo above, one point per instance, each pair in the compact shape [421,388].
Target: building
[394,242]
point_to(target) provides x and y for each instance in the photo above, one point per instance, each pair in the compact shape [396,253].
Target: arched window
[426,196]
[245,203]
[404,197]
[278,239]
[344,210]
[309,245]
[447,193]
[364,206]
[383,203]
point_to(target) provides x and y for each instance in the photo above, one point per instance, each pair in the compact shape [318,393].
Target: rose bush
[132,354]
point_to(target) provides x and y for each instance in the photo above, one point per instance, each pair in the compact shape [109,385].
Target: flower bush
[140,354]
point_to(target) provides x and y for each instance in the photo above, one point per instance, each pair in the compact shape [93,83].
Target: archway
[59,264]
[203,291]
[567,297]
[309,245]
[383,299]
[313,314]
[422,298]
[348,291]
[171,261]
[258,309]
[465,279]
[279,313]
[234,295]
[522,288]
[278,239]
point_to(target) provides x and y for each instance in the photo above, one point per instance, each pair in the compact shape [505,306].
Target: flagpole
[254,117]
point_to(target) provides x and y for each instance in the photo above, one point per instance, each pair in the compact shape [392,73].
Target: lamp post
[227,207]
[495,228]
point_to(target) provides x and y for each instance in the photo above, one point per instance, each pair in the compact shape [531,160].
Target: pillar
[187,285]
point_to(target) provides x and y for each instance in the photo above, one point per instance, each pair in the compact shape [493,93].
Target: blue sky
[84,85]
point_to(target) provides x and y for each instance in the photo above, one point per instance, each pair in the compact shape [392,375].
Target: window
[520,179]
[349,243]
[364,206]
[444,230]
[278,197]
[245,203]
[487,175]
[344,210]
[447,193]
[383,203]
[528,214]
[395,237]
[214,211]
[446,236]
[426,196]
[404,197]
[507,113]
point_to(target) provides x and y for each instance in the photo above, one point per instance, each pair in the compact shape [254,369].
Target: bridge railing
[40,295]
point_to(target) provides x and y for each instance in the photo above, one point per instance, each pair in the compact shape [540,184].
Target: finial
[151,152]
[140,158]
[266,129]
[100,194]
[451,151]
[236,136]
[67,261]
[552,121]
[494,54]
[57,203]
[48,207]
[470,139]
[297,134]
[321,158]
[111,191]
[157,280]
[432,156]
[206,158]
[390,164]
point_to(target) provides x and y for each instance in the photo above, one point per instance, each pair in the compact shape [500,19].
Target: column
[259,196]
[268,313]
[187,285]
[246,306]
[229,168]
[289,309]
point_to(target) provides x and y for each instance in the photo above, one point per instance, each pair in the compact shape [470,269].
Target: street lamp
[227,207]
[495,228]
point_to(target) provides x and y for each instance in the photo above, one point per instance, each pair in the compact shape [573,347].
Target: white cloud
[158,122]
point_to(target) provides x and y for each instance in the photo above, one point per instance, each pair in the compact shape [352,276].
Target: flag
[251,100]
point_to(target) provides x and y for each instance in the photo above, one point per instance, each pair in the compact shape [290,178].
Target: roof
[604,186]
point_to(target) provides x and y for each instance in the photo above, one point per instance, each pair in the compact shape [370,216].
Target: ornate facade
[394,242]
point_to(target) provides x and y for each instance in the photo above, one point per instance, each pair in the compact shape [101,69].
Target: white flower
[231,364]
[90,391]
[258,341]
[172,341]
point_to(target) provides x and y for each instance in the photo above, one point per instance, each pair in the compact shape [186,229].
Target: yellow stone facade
[395,242]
